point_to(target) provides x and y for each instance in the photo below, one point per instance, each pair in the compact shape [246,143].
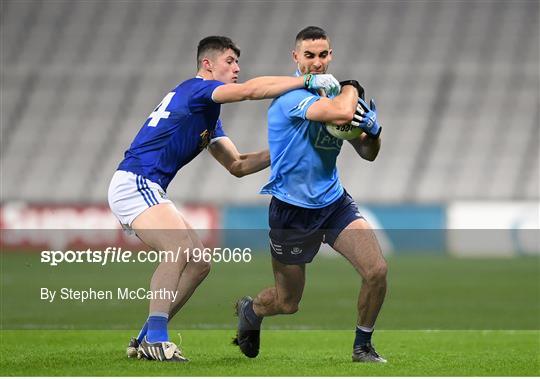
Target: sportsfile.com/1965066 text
[118,255]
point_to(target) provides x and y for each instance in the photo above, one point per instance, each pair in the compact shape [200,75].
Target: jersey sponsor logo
[325,141]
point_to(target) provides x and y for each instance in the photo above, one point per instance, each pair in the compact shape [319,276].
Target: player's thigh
[289,281]
[162,227]
[359,245]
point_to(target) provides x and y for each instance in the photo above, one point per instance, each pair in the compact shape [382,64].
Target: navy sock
[157,329]
[143,332]
[362,337]
[251,316]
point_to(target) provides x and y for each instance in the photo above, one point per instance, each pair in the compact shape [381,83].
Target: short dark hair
[218,43]
[311,32]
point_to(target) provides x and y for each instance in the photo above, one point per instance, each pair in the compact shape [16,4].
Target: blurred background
[457,89]
[456,84]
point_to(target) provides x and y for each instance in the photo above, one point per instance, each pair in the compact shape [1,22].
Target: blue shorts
[296,233]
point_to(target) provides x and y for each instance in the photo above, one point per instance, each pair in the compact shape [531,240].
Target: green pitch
[283,353]
[424,292]
[486,313]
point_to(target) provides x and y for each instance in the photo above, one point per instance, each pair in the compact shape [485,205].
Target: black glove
[356,85]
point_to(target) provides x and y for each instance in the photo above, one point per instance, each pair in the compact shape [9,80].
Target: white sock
[365,328]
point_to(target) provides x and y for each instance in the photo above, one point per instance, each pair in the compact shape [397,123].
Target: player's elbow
[249,91]
[254,91]
[234,93]
[369,150]
[238,174]
[370,156]
[236,169]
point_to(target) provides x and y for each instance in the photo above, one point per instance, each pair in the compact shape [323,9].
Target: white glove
[326,82]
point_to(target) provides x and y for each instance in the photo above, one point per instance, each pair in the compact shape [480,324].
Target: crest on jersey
[205,139]
[325,141]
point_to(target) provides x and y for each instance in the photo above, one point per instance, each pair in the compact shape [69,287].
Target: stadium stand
[456,84]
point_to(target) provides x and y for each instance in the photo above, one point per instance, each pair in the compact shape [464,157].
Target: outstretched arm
[267,87]
[226,153]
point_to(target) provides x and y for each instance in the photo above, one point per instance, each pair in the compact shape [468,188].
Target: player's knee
[288,308]
[377,273]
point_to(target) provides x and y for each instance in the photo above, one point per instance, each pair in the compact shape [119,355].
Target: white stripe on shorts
[131,194]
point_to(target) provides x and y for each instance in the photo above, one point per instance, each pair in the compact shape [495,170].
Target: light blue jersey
[303,154]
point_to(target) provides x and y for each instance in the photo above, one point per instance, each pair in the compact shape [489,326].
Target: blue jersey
[181,126]
[303,154]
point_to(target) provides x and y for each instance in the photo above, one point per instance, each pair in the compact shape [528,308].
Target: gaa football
[346,131]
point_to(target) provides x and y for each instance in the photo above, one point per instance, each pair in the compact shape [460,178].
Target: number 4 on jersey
[160,111]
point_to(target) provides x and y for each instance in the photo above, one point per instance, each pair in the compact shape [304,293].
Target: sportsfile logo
[118,255]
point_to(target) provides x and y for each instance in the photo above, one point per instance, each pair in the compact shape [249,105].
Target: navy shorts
[296,233]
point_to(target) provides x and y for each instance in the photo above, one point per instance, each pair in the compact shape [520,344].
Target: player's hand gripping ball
[347,131]
[364,120]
